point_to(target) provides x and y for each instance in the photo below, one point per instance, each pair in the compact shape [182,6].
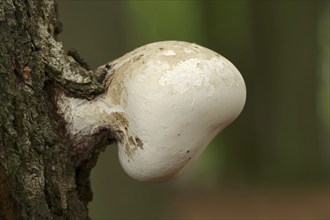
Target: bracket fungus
[164,102]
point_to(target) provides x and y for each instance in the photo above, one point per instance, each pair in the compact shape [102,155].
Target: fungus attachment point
[164,103]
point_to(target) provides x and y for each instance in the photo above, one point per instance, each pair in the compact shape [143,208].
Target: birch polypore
[164,103]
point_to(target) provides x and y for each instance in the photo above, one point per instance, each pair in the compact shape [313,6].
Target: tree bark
[38,179]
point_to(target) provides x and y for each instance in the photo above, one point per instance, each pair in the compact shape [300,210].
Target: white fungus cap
[174,98]
[164,103]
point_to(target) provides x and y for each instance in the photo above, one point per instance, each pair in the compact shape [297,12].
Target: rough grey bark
[38,179]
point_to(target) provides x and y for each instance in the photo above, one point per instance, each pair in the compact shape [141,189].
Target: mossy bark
[38,180]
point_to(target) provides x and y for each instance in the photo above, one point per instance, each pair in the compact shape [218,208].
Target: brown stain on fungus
[118,122]
[132,145]
[120,127]
[120,119]
[131,140]
[129,151]
[139,142]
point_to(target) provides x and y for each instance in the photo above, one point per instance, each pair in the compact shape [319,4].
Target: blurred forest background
[273,161]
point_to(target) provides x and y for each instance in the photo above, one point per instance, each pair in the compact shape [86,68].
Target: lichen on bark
[38,179]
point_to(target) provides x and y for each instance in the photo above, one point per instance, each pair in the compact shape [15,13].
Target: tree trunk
[38,179]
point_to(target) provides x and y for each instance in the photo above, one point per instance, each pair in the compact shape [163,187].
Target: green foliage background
[282,50]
